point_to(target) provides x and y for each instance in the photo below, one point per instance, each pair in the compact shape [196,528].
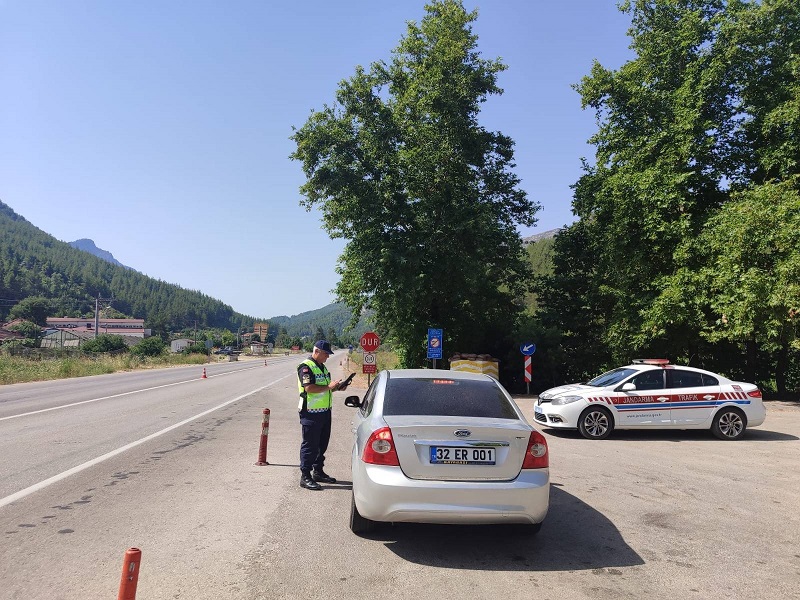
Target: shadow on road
[574,537]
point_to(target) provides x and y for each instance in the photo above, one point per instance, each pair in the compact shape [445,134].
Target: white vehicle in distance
[438,446]
[650,394]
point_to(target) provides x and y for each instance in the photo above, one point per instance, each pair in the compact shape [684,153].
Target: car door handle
[662,398]
[709,397]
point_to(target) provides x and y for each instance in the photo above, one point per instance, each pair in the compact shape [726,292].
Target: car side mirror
[628,387]
[352,402]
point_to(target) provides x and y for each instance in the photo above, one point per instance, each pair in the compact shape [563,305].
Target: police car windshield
[612,377]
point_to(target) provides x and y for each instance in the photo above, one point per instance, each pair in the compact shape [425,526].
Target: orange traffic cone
[204,374]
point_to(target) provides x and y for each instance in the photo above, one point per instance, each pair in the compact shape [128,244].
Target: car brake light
[536,455]
[756,393]
[379,449]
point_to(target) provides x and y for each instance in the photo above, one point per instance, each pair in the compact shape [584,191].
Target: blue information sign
[527,348]
[435,343]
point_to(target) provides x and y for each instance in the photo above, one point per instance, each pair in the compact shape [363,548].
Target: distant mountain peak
[89,246]
[540,236]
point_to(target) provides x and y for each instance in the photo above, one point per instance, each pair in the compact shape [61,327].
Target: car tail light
[536,456]
[756,393]
[379,449]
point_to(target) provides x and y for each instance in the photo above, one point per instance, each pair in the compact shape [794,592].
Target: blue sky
[160,129]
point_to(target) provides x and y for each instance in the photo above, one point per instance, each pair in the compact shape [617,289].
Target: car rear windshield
[447,398]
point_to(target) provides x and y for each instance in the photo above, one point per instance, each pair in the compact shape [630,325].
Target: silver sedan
[437,446]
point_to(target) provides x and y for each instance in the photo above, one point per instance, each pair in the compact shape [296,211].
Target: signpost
[527,349]
[370,363]
[435,344]
[369,343]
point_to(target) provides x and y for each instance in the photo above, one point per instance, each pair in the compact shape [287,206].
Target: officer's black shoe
[307,482]
[322,477]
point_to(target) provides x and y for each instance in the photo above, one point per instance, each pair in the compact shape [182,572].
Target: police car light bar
[651,361]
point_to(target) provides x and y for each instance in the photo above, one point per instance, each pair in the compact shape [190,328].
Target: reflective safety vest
[316,402]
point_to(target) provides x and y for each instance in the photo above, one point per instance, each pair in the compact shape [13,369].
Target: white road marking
[56,478]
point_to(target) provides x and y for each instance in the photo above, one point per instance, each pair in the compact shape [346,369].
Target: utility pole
[97,312]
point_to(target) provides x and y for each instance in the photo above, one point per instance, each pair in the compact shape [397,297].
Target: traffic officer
[316,395]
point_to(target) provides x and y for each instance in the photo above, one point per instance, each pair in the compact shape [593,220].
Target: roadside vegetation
[27,368]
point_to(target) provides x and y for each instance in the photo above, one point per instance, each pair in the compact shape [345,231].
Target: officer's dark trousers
[316,434]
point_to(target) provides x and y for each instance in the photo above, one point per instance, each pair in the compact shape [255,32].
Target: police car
[652,393]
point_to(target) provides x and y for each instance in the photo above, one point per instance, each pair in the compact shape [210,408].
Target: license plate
[454,455]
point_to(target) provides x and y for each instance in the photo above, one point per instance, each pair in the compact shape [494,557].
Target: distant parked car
[436,446]
[653,394]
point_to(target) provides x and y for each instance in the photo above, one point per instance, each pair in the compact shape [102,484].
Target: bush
[198,348]
[152,346]
[27,328]
[104,343]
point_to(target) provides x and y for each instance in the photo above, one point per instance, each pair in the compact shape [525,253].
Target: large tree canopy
[426,197]
[688,217]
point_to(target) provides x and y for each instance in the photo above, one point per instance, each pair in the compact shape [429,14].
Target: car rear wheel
[358,524]
[595,423]
[729,424]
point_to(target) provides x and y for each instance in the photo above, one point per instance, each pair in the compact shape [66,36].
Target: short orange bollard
[130,574]
[262,447]
[265,362]
[204,374]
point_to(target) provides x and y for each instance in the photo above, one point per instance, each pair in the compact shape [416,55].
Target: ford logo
[462,433]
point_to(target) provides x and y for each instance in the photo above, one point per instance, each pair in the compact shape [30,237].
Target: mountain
[71,276]
[545,235]
[334,317]
[34,263]
[89,246]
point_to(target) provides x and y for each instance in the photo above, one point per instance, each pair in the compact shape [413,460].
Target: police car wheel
[595,423]
[358,524]
[729,424]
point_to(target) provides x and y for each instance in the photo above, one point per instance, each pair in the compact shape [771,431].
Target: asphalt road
[171,471]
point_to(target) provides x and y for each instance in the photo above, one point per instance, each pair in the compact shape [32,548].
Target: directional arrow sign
[527,348]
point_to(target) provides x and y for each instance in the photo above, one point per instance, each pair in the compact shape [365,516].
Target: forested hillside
[34,263]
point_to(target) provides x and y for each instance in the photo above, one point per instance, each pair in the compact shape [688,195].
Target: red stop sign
[370,341]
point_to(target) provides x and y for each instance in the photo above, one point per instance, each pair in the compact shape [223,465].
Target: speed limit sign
[370,363]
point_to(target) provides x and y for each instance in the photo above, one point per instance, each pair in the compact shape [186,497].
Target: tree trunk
[781,366]
[750,368]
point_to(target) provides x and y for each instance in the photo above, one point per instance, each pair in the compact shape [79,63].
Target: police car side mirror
[628,387]
[352,402]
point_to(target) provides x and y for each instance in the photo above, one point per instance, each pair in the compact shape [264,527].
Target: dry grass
[16,369]
[352,363]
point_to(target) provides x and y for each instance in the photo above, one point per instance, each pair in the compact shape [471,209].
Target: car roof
[651,367]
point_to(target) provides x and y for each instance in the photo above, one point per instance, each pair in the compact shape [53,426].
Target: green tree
[753,272]
[688,133]
[33,308]
[744,292]
[425,196]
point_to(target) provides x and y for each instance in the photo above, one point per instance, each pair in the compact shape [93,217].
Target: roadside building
[124,327]
[180,345]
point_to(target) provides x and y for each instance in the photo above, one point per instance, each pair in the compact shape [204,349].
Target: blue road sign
[527,348]
[435,343]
